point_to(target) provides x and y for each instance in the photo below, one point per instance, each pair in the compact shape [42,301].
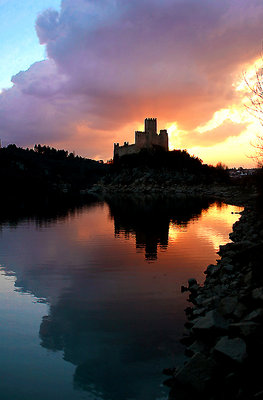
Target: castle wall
[144,140]
[124,150]
[163,139]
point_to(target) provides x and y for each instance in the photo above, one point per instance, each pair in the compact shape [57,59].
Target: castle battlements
[148,139]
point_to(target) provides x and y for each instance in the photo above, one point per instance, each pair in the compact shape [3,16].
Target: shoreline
[231,194]
[223,332]
[224,320]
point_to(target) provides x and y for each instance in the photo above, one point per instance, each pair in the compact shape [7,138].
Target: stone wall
[124,150]
[144,140]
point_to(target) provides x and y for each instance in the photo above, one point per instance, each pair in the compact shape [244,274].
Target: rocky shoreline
[223,332]
[232,194]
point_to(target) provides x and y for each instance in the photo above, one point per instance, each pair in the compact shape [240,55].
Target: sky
[83,74]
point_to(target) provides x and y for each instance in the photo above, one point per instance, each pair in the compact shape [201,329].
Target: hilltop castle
[148,139]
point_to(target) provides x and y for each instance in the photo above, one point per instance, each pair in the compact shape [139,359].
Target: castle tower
[150,125]
[148,140]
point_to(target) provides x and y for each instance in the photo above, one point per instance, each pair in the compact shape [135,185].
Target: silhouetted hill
[176,166]
[45,170]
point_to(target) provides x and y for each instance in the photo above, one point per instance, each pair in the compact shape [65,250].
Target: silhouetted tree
[44,169]
[255,95]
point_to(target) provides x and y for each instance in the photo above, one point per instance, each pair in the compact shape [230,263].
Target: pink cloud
[213,136]
[113,62]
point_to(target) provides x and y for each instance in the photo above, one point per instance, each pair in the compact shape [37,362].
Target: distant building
[241,172]
[148,139]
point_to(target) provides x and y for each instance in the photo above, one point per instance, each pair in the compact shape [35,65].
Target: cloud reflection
[115,317]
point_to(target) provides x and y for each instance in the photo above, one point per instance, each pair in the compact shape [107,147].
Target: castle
[148,139]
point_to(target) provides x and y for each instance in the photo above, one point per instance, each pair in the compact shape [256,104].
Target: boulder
[233,349]
[259,395]
[211,301]
[169,371]
[255,315]
[197,373]
[257,293]
[192,282]
[228,268]
[196,347]
[194,288]
[227,305]
[244,328]
[197,312]
[211,269]
[240,310]
[211,322]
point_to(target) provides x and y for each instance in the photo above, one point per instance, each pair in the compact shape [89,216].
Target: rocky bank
[224,331]
[229,193]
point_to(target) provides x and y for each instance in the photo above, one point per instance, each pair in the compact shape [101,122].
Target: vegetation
[177,166]
[45,170]
[255,94]
[46,173]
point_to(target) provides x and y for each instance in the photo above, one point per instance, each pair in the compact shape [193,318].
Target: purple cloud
[113,62]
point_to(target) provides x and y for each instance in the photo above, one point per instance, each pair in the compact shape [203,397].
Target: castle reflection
[116,318]
[148,218]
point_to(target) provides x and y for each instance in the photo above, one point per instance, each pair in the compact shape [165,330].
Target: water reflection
[115,317]
[43,210]
[148,218]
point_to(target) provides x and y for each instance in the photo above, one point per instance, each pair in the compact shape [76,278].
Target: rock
[257,293]
[196,347]
[240,310]
[188,311]
[245,328]
[233,349]
[169,382]
[194,288]
[255,315]
[211,269]
[248,277]
[187,340]
[189,324]
[192,282]
[211,301]
[227,305]
[212,321]
[169,371]
[259,395]
[198,312]
[197,373]
[228,267]
[198,300]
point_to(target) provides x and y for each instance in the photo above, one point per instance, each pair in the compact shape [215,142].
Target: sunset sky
[82,74]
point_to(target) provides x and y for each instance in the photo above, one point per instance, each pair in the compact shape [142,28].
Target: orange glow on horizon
[233,149]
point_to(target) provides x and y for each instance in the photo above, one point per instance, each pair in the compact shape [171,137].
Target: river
[90,300]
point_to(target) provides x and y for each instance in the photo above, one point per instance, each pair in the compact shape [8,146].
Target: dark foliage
[258,182]
[177,161]
[45,170]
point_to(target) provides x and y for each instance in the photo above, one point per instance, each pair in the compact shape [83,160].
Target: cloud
[111,63]
[47,26]
[216,135]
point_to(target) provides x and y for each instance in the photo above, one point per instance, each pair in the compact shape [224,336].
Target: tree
[255,108]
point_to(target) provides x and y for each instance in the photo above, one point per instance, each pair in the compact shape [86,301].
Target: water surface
[90,302]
